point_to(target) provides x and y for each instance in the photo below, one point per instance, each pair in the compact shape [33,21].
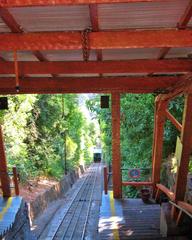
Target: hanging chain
[85,44]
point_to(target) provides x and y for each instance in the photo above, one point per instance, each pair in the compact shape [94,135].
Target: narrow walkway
[76,216]
[128,219]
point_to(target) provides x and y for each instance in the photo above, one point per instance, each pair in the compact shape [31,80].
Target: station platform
[128,219]
[14,220]
[8,209]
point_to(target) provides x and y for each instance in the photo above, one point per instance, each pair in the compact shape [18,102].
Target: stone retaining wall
[20,229]
[37,206]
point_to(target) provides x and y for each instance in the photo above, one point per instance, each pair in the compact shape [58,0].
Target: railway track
[70,221]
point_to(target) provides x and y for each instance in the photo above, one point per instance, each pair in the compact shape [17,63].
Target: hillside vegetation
[41,130]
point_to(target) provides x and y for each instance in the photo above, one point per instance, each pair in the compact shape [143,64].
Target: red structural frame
[172,86]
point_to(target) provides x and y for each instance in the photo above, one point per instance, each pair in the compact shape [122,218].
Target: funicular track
[70,222]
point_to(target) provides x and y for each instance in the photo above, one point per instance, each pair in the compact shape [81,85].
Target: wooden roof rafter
[182,24]
[16,28]
[93,10]
[31,3]
[182,87]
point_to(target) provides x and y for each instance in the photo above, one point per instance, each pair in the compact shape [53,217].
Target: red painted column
[5,181]
[159,121]
[116,155]
[186,138]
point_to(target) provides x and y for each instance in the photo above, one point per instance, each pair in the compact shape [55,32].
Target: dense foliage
[42,130]
[137,121]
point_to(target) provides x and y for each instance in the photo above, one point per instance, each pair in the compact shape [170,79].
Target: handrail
[165,190]
[183,207]
[137,183]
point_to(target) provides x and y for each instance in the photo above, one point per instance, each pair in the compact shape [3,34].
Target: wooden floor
[128,219]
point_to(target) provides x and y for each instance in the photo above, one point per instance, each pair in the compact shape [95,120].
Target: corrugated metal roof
[126,54]
[22,56]
[67,55]
[179,52]
[3,26]
[79,75]
[62,18]
[158,14]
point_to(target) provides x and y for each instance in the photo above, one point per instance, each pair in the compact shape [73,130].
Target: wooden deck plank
[130,219]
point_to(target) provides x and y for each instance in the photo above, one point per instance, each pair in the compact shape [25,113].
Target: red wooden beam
[185,17]
[105,179]
[10,21]
[87,85]
[129,66]
[183,86]
[173,120]
[186,136]
[5,181]
[93,10]
[30,3]
[116,152]
[163,52]
[94,17]
[136,184]
[181,25]
[98,40]
[159,121]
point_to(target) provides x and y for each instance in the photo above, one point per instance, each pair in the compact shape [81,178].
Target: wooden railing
[168,193]
[136,184]
[183,208]
[15,180]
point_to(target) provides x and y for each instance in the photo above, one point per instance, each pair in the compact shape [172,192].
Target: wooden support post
[105,180]
[15,180]
[159,120]
[116,155]
[5,181]
[186,138]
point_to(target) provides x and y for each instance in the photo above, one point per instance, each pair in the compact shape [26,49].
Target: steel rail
[89,206]
[69,207]
[81,207]
[74,226]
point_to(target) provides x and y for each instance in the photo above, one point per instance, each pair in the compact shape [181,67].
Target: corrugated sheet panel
[179,52]
[124,74]
[67,55]
[3,26]
[62,18]
[125,54]
[158,14]
[79,75]
[22,56]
